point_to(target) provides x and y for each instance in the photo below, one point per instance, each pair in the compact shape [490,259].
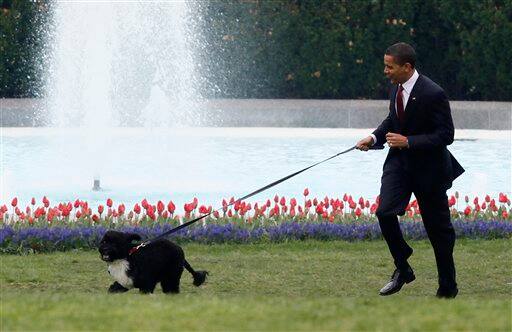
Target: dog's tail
[199,276]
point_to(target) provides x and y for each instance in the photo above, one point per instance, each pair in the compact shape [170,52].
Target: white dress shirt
[405,93]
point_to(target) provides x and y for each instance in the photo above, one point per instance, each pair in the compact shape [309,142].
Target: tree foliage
[313,48]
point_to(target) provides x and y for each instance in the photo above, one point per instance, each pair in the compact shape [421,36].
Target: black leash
[188,223]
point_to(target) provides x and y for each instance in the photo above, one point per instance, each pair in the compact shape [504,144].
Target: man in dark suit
[417,129]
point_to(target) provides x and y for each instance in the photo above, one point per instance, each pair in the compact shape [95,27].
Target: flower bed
[58,238]
[282,208]
[74,225]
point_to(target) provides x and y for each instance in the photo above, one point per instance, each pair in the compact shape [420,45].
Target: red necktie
[400,112]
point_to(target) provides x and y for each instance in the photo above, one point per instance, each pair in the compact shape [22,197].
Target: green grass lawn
[291,286]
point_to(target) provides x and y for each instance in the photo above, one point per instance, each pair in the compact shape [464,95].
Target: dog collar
[134,249]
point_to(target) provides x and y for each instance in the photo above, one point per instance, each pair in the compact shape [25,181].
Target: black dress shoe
[398,279]
[443,293]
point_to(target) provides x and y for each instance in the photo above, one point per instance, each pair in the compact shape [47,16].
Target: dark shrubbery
[310,49]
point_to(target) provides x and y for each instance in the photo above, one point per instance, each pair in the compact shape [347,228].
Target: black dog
[161,261]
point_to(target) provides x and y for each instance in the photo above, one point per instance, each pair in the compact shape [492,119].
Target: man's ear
[133,237]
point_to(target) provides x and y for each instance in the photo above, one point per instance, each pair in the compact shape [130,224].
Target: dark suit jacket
[429,129]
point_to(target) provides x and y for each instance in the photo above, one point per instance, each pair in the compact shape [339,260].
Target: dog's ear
[133,237]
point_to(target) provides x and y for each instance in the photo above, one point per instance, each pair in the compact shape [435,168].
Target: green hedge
[313,48]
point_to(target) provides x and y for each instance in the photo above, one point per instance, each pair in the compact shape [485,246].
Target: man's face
[395,72]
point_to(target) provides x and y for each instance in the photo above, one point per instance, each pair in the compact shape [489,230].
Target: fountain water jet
[120,64]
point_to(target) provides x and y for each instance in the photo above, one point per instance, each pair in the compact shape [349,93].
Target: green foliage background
[309,48]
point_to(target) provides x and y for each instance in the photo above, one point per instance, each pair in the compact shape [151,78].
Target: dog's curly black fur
[161,261]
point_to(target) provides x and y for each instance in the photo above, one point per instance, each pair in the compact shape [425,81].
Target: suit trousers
[395,193]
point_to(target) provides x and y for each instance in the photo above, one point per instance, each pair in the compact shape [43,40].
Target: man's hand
[365,143]
[396,141]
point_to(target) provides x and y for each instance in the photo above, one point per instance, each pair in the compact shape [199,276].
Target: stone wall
[290,113]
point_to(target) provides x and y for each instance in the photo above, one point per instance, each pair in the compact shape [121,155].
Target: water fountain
[120,64]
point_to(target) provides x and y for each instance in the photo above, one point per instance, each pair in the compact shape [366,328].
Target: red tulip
[466,199]
[276,198]
[503,198]
[358,212]
[352,205]
[160,207]
[101,208]
[345,198]
[33,201]
[504,214]
[46,202]
[95,218]
[268,203]
[475,201]
[487,198]
[109,202]
[292,211]
[282,201]
[78,214]
[171,207]
[136,208]
[14,202]
[165,214]
[306,192]
[188,207]
[484,206]
[467,211]
[216,214]
[120,209]
[203,209]
[230,213]
[144,204]
[315,202]
[319,209]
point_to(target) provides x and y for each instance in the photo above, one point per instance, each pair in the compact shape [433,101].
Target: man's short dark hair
[402,53]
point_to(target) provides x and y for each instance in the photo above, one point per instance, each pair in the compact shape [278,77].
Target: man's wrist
[374,138]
